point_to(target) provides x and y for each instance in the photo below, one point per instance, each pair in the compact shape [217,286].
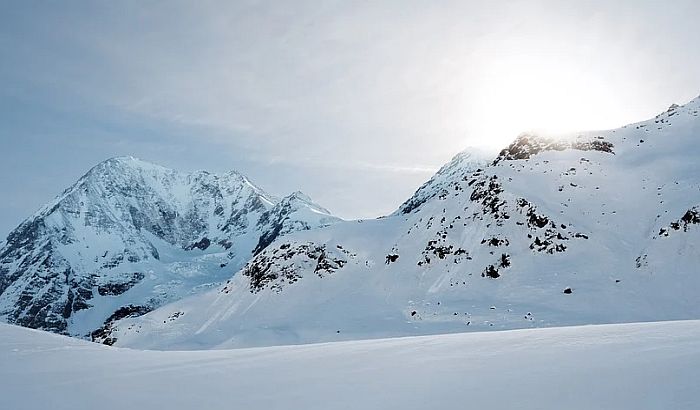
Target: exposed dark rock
[691,217]
[103,334]
[391,258]
[486,191]
[505,260]
[491,272]
[495,242]
[114,289]
[202,244]
[285,264]
[526,146]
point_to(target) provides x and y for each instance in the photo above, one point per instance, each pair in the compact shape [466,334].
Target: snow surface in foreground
[629,366]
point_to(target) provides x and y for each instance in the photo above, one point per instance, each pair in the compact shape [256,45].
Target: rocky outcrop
[690,217]
[528,145]
[284,265]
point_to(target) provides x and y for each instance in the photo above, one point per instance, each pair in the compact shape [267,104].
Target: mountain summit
[129,236]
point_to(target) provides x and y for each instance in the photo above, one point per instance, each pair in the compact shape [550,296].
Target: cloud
[351,165]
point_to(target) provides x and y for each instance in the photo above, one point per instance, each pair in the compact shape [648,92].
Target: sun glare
[547,96]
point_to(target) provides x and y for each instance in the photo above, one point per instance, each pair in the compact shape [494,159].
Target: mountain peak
[123,164]
[299,196]
[129,160]
[107,233]
[306,201]
[462,164]
[125,158]
[129,170]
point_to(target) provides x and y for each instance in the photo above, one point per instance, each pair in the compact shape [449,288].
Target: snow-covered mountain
[130,236]
[595,227]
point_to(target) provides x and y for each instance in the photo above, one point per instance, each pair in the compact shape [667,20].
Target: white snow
[630,366]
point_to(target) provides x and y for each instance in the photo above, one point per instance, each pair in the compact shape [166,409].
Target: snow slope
[630,366]
[595,227]
[130,236]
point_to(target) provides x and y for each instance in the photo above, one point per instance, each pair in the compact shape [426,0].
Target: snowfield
[628,366]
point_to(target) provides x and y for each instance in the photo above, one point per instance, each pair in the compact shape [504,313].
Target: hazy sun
[521,93]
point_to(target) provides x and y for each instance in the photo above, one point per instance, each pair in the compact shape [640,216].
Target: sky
[356,103]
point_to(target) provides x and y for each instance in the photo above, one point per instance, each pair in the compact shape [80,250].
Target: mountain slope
[130,236]
[440,185]
[629,366]
[596,227]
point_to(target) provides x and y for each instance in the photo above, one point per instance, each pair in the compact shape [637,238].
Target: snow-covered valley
[629,366]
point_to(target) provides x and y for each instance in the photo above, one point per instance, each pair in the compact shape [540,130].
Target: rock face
[527,145]
[130,236]
[612,216]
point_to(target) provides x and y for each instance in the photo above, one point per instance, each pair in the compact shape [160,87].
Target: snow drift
[631,366]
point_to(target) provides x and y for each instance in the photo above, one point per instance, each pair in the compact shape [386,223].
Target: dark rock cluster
[691,217]
[104,334]
[285,264]
[527,145]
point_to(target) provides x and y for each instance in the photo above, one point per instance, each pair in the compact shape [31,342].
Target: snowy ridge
[597,227]
[460,165]
[129,236]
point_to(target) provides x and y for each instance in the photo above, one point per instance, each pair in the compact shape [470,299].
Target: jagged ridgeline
[594,227]
[130,236]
